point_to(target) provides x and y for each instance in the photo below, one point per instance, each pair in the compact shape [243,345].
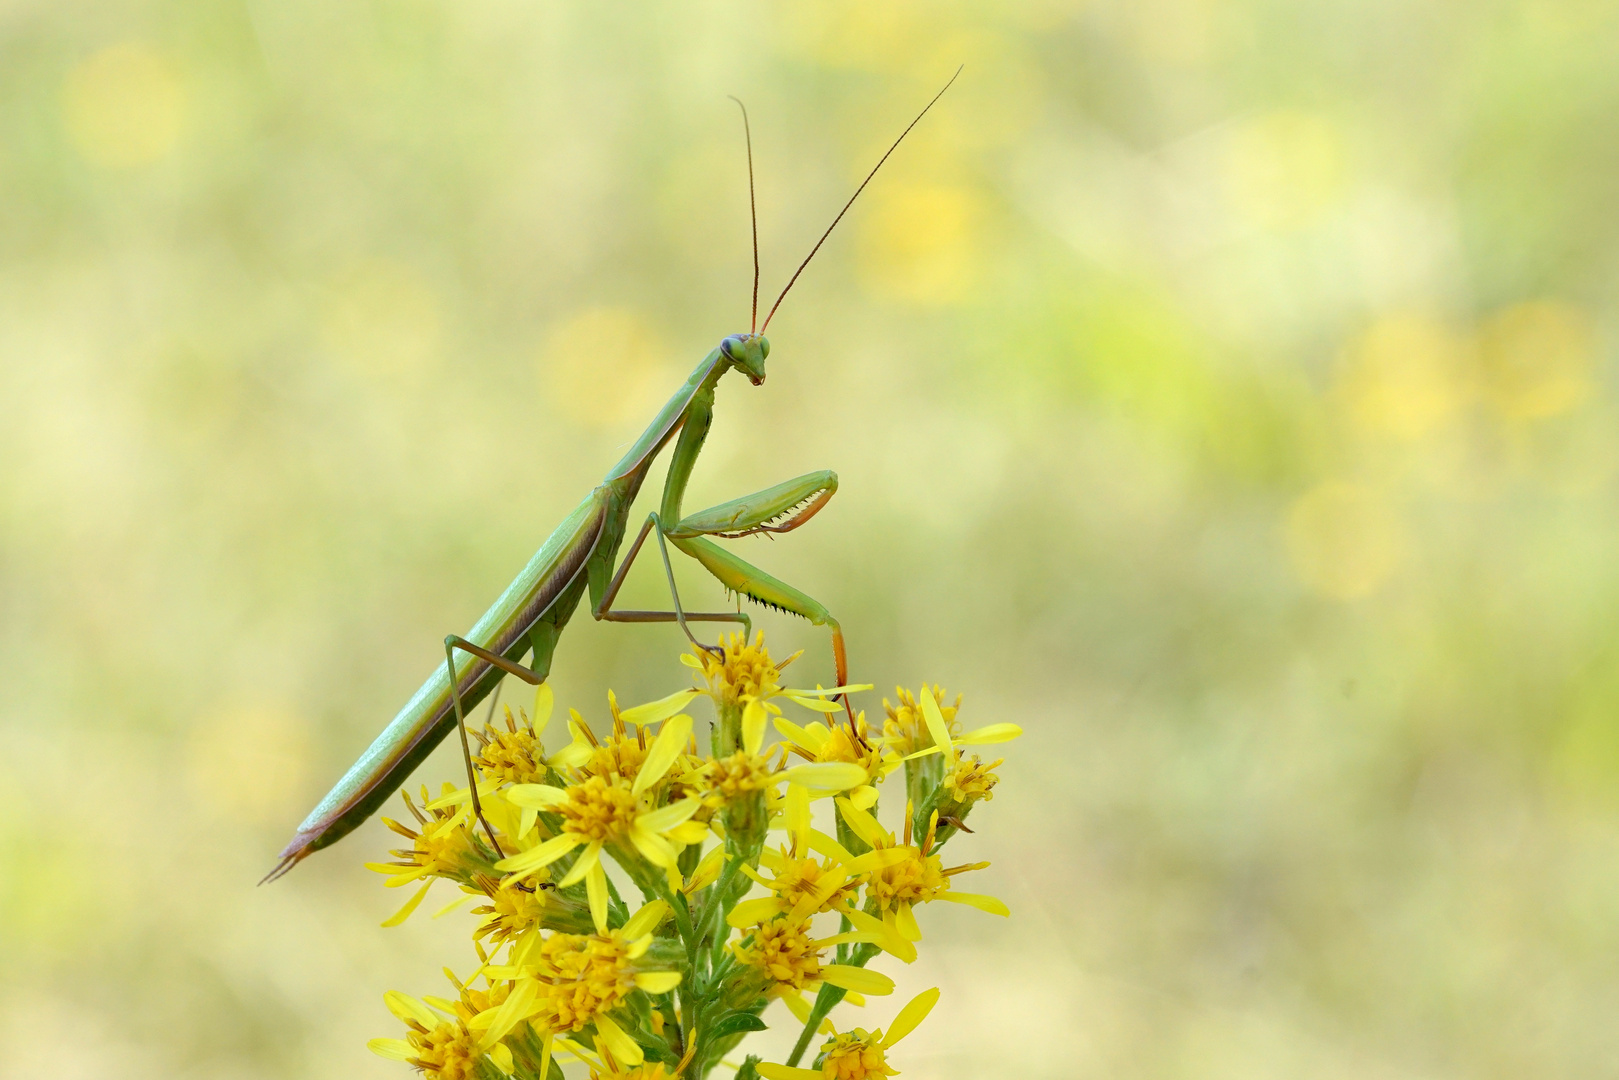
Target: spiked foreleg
[745,579]
[779,509]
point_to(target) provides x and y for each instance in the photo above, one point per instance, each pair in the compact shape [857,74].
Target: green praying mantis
[530,615]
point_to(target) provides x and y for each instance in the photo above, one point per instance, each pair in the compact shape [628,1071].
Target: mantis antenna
[852,198]
[753,213]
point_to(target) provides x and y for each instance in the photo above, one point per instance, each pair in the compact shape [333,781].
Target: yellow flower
[610,812]
[909,875]
[514,909]
[441,849]
[442,1048]
[802,886]
[785,954]
[746,673]
[846,742]
[972,781]
[922,724]
[859,1054]
[513,756]
[573,981]
[621,754]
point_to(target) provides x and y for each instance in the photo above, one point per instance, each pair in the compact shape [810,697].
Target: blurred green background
[1224,391]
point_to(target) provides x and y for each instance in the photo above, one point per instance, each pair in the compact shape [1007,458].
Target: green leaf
[735,1024]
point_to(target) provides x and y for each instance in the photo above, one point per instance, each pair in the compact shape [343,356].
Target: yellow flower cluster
[664,989]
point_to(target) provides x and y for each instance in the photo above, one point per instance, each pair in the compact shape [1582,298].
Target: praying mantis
[580,555]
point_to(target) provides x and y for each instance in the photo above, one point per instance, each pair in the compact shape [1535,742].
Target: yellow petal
[543,703]
[410,905]
[878,859]
[658,982]
[798,817]
[749,912]
[515,1009]
[453,904]
[397,1049]
[655,712]
[408,1008]
[536,796]
[820,705]
[936,725]
[643,922]
[864,797]
[526,862]
[913,1014]
[624,1048]
[708,871]
[792,733]
[596,893]
[587,858]
[670,744]
[862,824]
[977,900]
[857,979]
[905,919]
[753,726]
[691,661]
[882,934]
[667,817]
[991,733]
[797,1005]
[822,844]
[688,833]
[501,1055]
[654,848]
[825,775]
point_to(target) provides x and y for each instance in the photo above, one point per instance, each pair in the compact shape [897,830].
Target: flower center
[854,1055]
[799,878]
[785,952]
[739,774]
[583,976]
[915,879]
[448,1052]
[599,811]
[746,672]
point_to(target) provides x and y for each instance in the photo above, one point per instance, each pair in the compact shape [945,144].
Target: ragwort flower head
[512,756]
[443,847]
[859,1054]
[743,672]
[442,1047]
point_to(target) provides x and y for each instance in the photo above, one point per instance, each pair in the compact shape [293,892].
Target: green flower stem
[824,1001]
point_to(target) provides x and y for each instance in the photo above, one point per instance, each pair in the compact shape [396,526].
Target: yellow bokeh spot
[1404,376]
[124,106]
[382,318]
[605,367]
[916,243]
[1285,169]
[1537,358]
[249,763]
[1344,540]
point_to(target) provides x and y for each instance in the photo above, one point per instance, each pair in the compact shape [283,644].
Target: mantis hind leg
[543,638]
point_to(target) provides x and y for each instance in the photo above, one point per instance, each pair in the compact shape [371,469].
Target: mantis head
[747,353]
